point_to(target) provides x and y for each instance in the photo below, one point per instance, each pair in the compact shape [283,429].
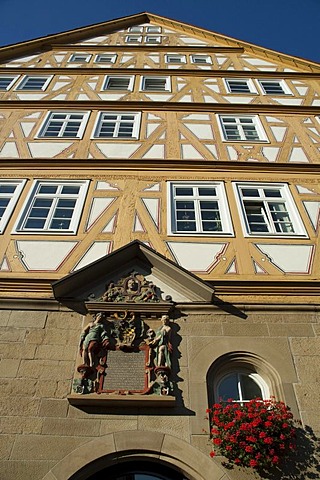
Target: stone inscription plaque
[126,371]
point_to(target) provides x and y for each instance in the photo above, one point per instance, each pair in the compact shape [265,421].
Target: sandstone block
[21,406]
[6,442]
[308,396]
[17,350]
[46,369]
[27,318]
[45,447]
[9,367]
[21,470]
[35,336]
[55,336]
[204,329]
[20,425]
[308,369]
[64,320]
[12,334]
[4,317]
[175,426]
[71,427]
[53,408]
[305,346]
[55,352]
[121,424]
[291,330]
[246,329]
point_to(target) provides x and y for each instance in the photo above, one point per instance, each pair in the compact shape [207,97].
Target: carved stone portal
[120,353]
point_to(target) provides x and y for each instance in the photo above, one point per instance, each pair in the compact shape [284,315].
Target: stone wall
[38,356]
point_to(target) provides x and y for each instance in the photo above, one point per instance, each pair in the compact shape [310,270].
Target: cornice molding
[160,106]
[148,48]
[161,71]
[40,292]
[95,167]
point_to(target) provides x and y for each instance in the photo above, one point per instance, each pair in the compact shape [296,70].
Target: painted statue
[160,342]
[94,337]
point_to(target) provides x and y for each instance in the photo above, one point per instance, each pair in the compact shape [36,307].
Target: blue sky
[289,26]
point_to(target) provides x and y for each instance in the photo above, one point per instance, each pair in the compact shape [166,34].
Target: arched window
[241,386]
[242,376]
[138,470]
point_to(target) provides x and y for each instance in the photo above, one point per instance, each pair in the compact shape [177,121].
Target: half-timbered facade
[153,166]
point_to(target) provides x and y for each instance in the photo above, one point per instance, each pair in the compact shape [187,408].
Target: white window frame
[14,79]
[255,121]
[286,198]
[26,78]
[153,29]
[13,198]
[50,118]
[117,121]
[247,81]
[109,78]
[285,89]
[86,58]
[133,39]
[183,58]
[152,39]
[99,58]
[208,59]
[35,194]
[144,82]
[135,29]
[221,198]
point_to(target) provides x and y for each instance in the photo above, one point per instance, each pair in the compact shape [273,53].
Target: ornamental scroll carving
[120,353]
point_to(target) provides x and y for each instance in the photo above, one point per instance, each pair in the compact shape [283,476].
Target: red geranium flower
[256,434]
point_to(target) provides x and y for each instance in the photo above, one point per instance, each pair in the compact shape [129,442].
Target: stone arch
[135,445]
[273,352]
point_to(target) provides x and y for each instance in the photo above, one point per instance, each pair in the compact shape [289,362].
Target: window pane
[256,216]
[5,82]
[250,192]
[207,191]
[272,192]
[70,189]
[228,388]
[5,188]
[249,388]
[237,86]
[273,88]
[185,191]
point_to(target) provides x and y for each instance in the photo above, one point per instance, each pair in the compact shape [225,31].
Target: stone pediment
[135,277]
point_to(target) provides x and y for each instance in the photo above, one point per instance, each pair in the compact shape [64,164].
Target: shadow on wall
[304,463]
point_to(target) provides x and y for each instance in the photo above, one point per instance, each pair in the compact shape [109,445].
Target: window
[268,209]
[105,58]
[246,128]
[274,87]
[64,125]
[199,209]
[117,82]
[80,58]
[135,29]
[6,82]
[239,85]
[53,206]
[33,83]
[152,39]
[117,125]
[241,376]
[156,84]
[153,29]
[9,194]
[201,59]
[241,386]
[133,39]
[174,58]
